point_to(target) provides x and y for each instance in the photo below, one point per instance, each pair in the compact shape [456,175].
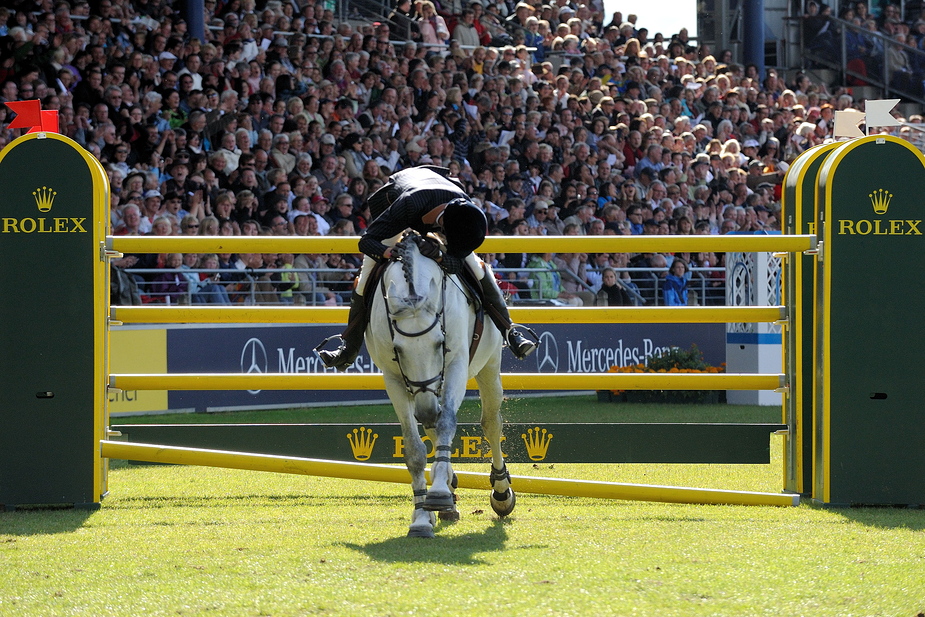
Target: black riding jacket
[403,201]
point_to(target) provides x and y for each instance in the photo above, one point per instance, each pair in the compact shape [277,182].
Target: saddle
[472,286]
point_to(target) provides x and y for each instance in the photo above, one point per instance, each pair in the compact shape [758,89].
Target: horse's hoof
[421,531]
[450,515]
[439,502]
[503,503]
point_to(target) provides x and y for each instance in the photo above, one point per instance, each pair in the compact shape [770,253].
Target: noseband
[434,385]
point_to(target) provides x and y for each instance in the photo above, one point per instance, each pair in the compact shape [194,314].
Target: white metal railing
[251,287]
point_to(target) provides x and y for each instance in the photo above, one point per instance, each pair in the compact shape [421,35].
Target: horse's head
[418,290]
[415,302]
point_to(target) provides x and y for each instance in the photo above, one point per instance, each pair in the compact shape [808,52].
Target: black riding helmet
[464,227]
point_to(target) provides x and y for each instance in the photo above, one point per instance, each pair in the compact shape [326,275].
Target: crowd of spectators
[881,44]
[556,118]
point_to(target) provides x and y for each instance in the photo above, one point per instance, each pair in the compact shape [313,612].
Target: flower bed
[676,360]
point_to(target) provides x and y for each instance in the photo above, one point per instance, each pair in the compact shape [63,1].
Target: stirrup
[331,358]
[343,343]
[526,348]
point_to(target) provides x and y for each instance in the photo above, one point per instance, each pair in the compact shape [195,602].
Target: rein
[412,386]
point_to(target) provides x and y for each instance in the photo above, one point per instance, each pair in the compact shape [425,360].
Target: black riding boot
[520,345]
[352,338]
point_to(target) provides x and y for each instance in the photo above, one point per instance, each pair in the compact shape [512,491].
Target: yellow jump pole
[333,314]
[390,473]
[510,381]
[492,244]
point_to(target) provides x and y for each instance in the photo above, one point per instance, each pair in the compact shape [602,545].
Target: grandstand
[281,117]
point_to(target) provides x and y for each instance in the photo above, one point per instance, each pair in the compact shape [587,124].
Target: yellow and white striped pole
[334,314]
[391,473]
[510,381]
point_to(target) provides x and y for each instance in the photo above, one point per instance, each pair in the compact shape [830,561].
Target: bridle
[415,387]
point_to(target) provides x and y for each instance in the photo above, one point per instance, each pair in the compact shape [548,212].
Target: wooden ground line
[335,314]
[510,381]
[390,473]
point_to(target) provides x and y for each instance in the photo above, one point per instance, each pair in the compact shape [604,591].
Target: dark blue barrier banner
[565,348]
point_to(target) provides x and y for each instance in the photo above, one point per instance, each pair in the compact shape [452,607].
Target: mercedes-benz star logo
[254,359]
[547,356]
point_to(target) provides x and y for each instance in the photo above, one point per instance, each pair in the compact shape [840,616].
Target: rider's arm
[389,224]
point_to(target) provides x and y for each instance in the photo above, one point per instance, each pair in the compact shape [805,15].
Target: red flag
[49,122]
[28,114]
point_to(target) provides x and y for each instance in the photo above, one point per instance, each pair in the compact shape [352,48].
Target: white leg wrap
[476,266]
[368,263]
[365,269]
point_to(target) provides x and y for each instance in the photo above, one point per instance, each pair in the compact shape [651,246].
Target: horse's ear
[433,295]
[392,292]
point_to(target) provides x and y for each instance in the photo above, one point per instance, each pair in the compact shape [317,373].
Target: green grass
[198,541]
[190,541]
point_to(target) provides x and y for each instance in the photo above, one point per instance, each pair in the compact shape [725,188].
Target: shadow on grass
[885,517]
[459,550]
[42,521]
[253,499]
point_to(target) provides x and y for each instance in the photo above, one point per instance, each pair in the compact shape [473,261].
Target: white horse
[420,332]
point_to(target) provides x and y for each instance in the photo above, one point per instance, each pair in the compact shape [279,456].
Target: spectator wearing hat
[150,209]
[414,150]
[700,173]
[166,61]
[605,109]
[750,149]
[173,205]
[321,208]
[325,148]
[518,19]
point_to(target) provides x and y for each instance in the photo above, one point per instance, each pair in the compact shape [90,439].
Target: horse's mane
[404,255]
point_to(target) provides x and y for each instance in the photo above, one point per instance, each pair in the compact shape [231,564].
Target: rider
[424,199]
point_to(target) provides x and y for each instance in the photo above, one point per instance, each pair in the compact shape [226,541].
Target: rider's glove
[429,248]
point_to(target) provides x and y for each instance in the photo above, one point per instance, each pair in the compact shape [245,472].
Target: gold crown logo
[880,200]
[537,442]
[362,441]
[44,198]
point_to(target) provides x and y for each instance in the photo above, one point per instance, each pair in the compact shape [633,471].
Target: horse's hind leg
[491,394]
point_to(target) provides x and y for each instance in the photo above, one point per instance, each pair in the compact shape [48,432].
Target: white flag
[878,113]
[846,123]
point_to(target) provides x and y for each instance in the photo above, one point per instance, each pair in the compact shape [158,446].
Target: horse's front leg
[422,521]
[440,496]
[453,514]
[491,395]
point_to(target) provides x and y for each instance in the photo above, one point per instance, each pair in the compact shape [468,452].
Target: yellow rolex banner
[138,351]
